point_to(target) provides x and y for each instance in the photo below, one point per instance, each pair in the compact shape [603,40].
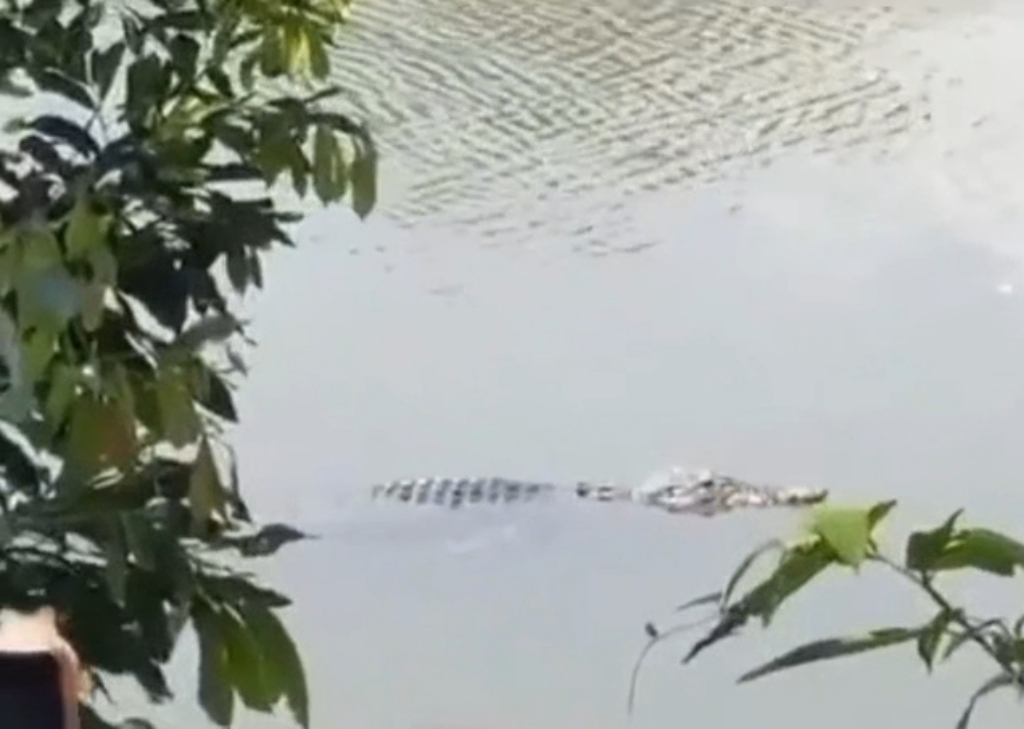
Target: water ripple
[501,117]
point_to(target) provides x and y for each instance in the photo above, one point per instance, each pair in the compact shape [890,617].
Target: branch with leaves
[134,213]
[845,538]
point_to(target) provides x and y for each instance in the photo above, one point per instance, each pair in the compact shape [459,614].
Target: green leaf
[238,271]
[218,398]
[709,599]
[996,682]
[982,549]
[40,249]
[104,65]
[245,664]
[115,552]
[847,531]
[930,638]
[10,260]
[37,351]
[215,693]
[212,329]
[878,512]
[205,493]
[363,173]
[925,547]
[101,435]
[18,462]
[86,230]
[66,131]
[146,85]
[745,565]
[270,539]
[48,298]
[63,385]
[93,306]
[177,412]
[58,83]
[965,636]
[282,658]
[184,20]
[833,648]
[799,565]
[330,174]
[240,591]
[104,266]
[319,61]
[139,540]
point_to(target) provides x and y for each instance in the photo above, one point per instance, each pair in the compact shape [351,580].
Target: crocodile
[678,491]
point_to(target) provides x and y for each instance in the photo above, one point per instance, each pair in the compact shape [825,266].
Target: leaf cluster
[844,538]
[133,213]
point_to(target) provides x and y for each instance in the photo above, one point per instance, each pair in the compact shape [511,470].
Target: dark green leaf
[218,398]
[966,636]
[146,85]
[363,175]
[115,549]
[221,82]
[240,591]
[930,638]
[799,565]
[57,83]
[924,548]
[215,693]
[878,512]
[982,549]
[139,540]
[160,285]
[185,20]
[710,599]
[238,271]
[105,65]
[282,658]
[66,131]
[245,664]
[133,35]
[19,467]
[184,55]
[270,539]
[833,648]
[996,682]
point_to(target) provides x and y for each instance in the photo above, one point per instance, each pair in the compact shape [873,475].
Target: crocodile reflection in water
[703,493]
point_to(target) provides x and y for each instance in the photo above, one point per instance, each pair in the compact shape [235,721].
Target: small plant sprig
[844,537]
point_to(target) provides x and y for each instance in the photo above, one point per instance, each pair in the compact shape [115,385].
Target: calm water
[584,267]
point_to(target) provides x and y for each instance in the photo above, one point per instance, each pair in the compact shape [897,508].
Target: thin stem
[655,639]
[956,615]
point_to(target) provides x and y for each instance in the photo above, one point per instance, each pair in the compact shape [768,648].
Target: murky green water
[820,289]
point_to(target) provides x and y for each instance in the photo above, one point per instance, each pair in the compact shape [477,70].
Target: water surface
[848,320]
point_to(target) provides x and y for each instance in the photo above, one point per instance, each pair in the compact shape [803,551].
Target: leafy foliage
[845,537]
[131,213]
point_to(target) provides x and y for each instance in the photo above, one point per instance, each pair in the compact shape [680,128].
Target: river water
[779,242]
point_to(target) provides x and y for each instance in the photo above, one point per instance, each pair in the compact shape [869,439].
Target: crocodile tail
[455,492]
